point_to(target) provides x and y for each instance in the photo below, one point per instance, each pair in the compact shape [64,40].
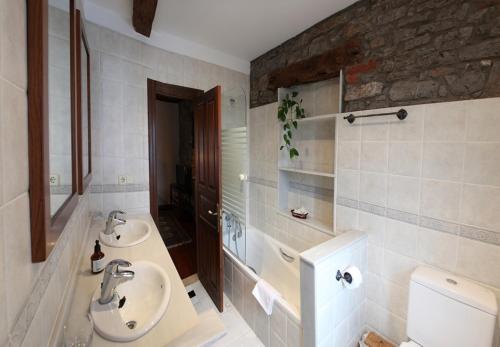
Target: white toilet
[446,310]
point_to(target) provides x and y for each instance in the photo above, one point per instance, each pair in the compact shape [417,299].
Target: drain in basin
[131,324]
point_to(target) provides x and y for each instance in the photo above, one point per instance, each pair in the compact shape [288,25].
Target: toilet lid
[409,344]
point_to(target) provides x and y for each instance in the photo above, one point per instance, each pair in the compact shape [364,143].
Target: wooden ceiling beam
[143,16]
[317,68]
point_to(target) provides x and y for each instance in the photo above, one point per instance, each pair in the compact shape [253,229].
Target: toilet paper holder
[346,276]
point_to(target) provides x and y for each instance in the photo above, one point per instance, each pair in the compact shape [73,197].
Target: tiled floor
[238,333]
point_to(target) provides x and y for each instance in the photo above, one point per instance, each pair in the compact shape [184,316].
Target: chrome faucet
[112,278]
[113,221]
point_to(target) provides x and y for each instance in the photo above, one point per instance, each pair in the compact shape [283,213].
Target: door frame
[166,92]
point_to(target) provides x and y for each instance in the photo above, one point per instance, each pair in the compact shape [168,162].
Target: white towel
[265,295]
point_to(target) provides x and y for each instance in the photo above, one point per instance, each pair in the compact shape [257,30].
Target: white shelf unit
[307,172]
[310,222]
[310,181]
[322,117]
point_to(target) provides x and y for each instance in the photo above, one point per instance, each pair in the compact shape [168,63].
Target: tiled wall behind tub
[427,191]
[120,68]
[263,195]
[30,294]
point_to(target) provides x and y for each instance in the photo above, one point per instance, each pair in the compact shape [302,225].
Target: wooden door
[207,114]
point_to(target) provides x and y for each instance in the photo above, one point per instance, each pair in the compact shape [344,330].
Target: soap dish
[299,215]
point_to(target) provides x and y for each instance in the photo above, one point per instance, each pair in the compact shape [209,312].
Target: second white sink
[144,302]
[129,234]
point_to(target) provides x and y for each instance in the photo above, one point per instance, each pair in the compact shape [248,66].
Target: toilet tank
[446,310]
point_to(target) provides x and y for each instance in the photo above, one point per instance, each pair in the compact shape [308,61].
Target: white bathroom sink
[147,297]
[129,234]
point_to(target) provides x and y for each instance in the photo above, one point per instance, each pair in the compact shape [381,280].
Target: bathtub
[277,264]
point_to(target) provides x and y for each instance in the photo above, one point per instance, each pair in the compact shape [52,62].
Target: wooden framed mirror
[83,106]
[52,142]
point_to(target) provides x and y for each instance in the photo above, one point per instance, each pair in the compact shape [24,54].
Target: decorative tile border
[60,190]
[118,188]
[262,181]
[485,236]
[370,208]
[406,217]
[312,189]
[466,231]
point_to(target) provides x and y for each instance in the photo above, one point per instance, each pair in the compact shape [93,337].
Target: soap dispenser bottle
[97,259]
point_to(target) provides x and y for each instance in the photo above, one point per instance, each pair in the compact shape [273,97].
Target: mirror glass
[60,162]
[85,106]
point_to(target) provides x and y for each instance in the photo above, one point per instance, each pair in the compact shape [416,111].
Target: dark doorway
[184,179]
[171,157]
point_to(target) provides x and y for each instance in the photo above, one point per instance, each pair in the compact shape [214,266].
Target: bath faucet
[113,221]
[112,278]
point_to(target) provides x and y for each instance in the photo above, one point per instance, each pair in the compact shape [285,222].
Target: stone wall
[413,52]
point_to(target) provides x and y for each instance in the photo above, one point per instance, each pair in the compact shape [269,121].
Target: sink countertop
[180,315]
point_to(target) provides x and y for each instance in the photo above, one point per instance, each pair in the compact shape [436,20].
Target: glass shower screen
[234,171]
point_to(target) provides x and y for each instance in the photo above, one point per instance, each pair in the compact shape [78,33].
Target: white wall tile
[480,206]
[13,48]
[483,120]
[404,194]
[374,226]
[395,298]
[374,156]
[398,268]
[479,261]
[482,163]
[3,286]
[373,129]
[437,248]
[405,158]
[347,219]
[14,138]
[373,188]
[348,184]
[375,259]
[440,200]
[348,155]
[401,237]
[444,122]
[443,161]
[111,67]
[411,129]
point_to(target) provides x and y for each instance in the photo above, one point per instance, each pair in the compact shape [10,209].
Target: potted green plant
[288,112]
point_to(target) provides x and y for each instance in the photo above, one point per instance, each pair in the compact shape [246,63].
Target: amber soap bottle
[97,259]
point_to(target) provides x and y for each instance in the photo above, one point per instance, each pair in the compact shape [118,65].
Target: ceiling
[238,30]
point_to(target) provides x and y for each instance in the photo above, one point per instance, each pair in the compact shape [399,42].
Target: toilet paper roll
[357,277]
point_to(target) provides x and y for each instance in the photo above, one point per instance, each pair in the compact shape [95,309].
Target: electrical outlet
[122,180]
[130,179]
[54,180]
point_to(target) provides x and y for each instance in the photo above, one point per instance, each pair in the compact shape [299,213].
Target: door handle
[210,212]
